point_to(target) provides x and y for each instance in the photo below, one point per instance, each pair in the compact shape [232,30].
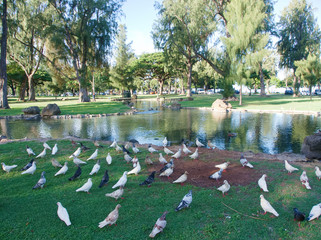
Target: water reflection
[269,133]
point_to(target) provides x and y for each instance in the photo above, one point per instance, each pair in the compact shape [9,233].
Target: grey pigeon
[29,164]
[217,175]
[149,180]
[168,165]
[186,201]
[41,182]
[104,180]
[83,147]
[76,175]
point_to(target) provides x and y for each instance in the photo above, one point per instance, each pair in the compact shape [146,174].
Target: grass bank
[32,214]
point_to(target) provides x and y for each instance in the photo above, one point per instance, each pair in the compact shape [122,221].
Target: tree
[309,70]
[83,32]
[245,39]
[3,60]
[298,32]
[121,73]
[29,23]
[183,28]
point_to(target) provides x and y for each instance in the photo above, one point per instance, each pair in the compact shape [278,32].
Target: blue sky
[139,16]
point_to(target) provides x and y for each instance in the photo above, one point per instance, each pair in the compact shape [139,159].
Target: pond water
[268,133]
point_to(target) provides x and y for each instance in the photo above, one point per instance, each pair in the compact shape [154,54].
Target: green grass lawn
[32,214]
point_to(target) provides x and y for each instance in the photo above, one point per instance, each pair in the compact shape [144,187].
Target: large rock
[31,110]
[221,106]
[311,146]
[50,110]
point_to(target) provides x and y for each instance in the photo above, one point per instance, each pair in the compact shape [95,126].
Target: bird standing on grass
[55,163]
[45,145]
[298,216]
[315,212]
[149,180]
[262,183]
[135,170]
[8,168]
[289,167]
[63,214]
[86,187]
[116,194]
[29,164]
[224,188]
[111,218]
[76,175]
[167,151]
[77,161]
[122,181]
[109,159]
[95,168]
[317,172]
[62,170]
[42,154]
[76,153]
[244,162]
[267,207]
[159,225]
[30,170]
[54,149]
[93,156]
[41,182]
[30,151]
[161,159]
[186,201]
[104,180]
[151,149]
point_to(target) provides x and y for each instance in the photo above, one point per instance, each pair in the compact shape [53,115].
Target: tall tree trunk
[189,78]
[3,61]
[83,94]
[262,80]
[295,86]
[22,91]
[161,84]
[240,103]
[32,92]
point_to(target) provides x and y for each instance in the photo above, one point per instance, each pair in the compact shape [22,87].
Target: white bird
[116,194]
[289,167]
[318,172]
[95,168]
[306,184]
[182,178]
[178,154]
[151,149]
[7,168]
[195,154]
[262,183]
[42,154]
[118,149]
[161,159]
[210,144]
[62,170]
[267,207]
[135,170]
[111,218]
[223,166]
[127,157]
[76,153]
[45,145]
[165,142]
[93,156]
[63,214]
[159,225]
[135,149]
[225,187]
[77,161]
[244,162]
[199,144]
[30,151]
[114,144]
[30,170]
[185,149]
[304,177]
[127,146]
[315,212]
[54,149]
[109,159]
[167,172]
[134,161]
[167,151]
[86,187]
[217,175]
[122,181]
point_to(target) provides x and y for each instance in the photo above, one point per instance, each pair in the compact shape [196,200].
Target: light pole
[93,86]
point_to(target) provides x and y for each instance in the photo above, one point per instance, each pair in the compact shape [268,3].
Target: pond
[268,133]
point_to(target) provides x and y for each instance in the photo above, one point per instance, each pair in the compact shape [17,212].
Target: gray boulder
[31,110]
[311,146]
[50,110]
[221,106]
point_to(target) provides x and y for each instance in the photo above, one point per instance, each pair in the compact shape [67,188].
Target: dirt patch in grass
[199,170]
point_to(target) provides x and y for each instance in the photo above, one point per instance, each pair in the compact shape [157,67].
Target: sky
[140,15]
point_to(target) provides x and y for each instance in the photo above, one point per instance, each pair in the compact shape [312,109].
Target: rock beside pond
[311,146]
[221,106]
[31,110]
[50,110]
